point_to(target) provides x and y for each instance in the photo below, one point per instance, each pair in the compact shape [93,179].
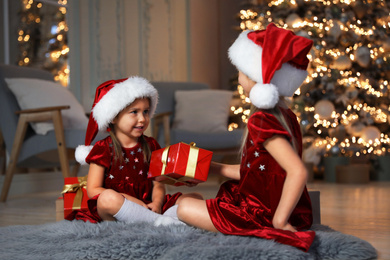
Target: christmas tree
[42,37]
[343,105]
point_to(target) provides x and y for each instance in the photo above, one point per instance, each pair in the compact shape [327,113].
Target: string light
[25,38]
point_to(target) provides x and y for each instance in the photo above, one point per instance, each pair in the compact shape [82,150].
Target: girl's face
[132,121]
[246,83]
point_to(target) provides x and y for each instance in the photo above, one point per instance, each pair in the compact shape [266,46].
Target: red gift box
[179,164]
[75,194]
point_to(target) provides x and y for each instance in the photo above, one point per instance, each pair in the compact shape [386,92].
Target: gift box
[180,164]
[74,194]
[353,173]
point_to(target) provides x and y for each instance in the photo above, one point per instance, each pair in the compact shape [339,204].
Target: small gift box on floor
[179,164]
[74,195]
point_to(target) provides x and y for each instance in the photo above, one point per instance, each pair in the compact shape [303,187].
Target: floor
[359,210]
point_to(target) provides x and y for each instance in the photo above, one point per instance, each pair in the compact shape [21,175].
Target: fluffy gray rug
[112,240]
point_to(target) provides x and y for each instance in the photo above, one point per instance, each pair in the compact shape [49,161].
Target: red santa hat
[111,98]
[275,59]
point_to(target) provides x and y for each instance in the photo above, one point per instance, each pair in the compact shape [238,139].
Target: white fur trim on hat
[122,95]
[288,79]
[246,56]
[81,153]
[264,96]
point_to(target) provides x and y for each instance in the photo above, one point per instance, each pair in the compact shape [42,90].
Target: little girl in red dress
[267,196]
[117,183]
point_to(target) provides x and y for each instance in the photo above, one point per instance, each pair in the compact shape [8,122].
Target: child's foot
[165,221]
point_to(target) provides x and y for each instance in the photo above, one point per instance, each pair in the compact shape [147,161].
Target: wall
[161,40]
[13,9]
[116,39]
[213,29]
[167,40]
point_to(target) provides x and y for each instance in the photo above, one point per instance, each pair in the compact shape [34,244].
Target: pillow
[202,110]
[35,93]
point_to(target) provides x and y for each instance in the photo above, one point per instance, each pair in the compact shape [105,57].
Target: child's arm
[95,180]
[231,171]
[282,151]
[157,197]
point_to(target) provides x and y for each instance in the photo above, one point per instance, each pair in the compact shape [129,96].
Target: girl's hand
[190,184]
[155,207]
[283,226]
[158,195]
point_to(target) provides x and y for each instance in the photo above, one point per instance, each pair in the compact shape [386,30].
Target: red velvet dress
[130,177]
[246,207]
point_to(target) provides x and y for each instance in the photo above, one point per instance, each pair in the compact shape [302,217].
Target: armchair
[222,142]
[25,147]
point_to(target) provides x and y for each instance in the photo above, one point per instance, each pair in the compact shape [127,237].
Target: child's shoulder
[265,120]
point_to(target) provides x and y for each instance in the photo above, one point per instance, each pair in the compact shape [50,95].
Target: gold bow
[78,188]
[191,163]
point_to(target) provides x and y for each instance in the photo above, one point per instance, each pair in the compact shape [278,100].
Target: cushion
[202,110]
[36,93]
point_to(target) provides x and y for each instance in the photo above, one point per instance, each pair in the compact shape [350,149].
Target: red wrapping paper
[179,164]
[75,195]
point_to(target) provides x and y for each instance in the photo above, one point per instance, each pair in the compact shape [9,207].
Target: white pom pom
[264,96]
[81,153]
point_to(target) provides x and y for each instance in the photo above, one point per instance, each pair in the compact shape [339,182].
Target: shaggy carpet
[114,240]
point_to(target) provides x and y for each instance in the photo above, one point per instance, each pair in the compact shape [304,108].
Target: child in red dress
[267,196]
[117,184]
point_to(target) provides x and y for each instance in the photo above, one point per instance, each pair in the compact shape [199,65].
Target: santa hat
[275,59]
[111,98]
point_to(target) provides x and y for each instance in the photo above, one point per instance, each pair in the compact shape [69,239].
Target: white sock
[131,212]
[171,212]
[169,218]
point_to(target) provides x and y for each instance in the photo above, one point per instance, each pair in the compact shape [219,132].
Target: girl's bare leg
[109,203]
[193,195]
[194,212]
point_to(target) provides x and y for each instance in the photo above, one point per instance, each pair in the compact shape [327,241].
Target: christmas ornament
[335,31]
[351,92]
[370,133]
[324,108]
[312,155]
[386,44]
[342,63]
[335,150]
[293,20]
[355,128]
[343,99]
[362,55]
[338,132]
[360,10]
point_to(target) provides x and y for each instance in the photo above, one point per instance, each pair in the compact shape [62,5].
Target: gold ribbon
[191,163]
[164,159]
[192,160]
[78,188]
